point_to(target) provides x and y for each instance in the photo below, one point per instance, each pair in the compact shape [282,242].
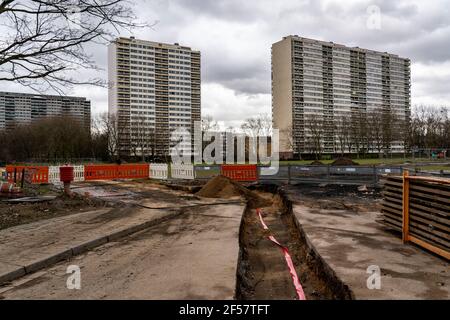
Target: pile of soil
[344,162]
[223,187]
[317,163]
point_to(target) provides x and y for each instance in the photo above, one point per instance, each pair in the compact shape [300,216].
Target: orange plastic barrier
[133,171]
[110,172]
[38,174]
[240,172]
[100,172]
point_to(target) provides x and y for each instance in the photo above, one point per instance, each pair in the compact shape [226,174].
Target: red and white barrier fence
[32,174]
[240,172]
[50,174]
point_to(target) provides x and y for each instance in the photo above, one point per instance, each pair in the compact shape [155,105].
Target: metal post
[15,175]
[22,178]
[375,175]
[289,173]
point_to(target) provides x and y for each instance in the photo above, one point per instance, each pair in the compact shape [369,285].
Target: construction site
[158,232]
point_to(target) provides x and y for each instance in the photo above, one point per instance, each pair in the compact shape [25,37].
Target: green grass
[375,161]
[371,162]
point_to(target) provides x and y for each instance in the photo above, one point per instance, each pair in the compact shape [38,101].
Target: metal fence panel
[53,175]
[78,173]
[309,172]
[182,171]
[280,173]
[207,172]
[159,171]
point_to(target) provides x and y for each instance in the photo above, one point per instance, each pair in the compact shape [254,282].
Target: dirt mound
[223,187]
[344,162]
[317,163]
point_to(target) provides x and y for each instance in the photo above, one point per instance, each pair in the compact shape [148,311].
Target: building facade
[22,108]
[314,80]
[154,89]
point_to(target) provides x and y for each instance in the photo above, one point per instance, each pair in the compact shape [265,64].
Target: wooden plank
[395,195]
[430,179]
[425,228]
[431,217]
[431,204]
[430,238]
[393,206]
[397,225]
[434,198]
[424,219]
[394,213]
[438,251]
[394,222]
[422,208]
[430,190]
[419,207]
[392,217]
[392,184]
[431,241]
[387,224]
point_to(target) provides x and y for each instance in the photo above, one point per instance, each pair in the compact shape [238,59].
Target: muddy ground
[21,213]
[336,197]
[86,196]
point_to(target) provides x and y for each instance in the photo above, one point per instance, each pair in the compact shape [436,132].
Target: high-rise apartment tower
[317,80]
[154,89]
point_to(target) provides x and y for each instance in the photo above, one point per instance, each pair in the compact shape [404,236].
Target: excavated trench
[262,272]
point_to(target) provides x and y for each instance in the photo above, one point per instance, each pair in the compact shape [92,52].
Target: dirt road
[193,256]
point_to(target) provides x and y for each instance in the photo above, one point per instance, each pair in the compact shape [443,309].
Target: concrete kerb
[15,273]
[20,271]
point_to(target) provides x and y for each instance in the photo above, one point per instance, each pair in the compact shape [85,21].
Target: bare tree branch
[44,40]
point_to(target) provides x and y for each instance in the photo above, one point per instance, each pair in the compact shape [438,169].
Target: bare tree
[289,141]
[209,124]
[260,125]
[143,138]
[43,41]
[113,133]
[99,138]
[314,127]
[355,129]
[375,119]
[390,132]
[343,135]
[365,134]
[429,128]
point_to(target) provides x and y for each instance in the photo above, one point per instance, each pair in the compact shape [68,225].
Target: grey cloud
[235,37]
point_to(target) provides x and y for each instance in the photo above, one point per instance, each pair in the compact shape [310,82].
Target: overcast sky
[235,37]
